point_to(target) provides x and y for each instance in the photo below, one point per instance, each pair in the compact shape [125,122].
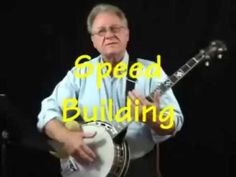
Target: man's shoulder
[92,61]
[145,62]
[95,59]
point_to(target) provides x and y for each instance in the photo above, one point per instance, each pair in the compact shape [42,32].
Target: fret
[191,62]
[185,68]
[187,65]
[195,59]
[173,78]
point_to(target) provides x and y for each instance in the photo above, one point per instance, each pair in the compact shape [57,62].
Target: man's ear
[92,39]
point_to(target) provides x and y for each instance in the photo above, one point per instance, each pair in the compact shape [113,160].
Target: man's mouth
[111,43]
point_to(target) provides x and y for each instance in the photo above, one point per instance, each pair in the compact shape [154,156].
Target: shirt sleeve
[51,107]
[167,99]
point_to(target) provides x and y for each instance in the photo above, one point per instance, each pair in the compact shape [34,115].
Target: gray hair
[104,8]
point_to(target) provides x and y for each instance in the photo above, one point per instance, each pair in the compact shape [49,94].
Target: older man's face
[109,35]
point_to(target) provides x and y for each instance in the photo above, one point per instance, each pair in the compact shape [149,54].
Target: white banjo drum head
[103,146]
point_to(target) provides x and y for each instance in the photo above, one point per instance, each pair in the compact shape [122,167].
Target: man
[109,31]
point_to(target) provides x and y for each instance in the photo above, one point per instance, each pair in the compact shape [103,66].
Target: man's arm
[50,121]
[55,130]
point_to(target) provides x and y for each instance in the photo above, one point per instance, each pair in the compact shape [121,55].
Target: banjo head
[103,146]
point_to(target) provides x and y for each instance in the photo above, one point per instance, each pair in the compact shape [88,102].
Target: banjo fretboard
[215,48]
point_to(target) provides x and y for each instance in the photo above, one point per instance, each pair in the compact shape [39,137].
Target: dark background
[40,41]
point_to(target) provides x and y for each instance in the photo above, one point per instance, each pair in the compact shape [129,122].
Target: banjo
[111,148]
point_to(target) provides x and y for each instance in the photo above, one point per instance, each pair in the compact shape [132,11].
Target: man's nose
[109,33]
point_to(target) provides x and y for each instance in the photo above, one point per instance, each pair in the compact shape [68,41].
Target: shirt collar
[125,60]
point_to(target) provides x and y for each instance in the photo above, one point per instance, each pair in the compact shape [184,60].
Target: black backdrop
[40,41]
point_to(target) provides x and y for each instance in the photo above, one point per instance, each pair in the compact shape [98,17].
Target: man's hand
[72,139]
[138,100]
[153,118]
[74,145]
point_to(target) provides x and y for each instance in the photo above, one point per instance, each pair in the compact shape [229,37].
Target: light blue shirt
[140,137]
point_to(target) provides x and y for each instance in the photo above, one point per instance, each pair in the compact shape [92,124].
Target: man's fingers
[89,151]
[82,154]
[131,96]
[89,134]
[141,98]
[135,95]
[157,98]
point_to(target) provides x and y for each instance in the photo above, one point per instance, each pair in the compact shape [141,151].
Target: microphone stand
[4,137]
[4,134]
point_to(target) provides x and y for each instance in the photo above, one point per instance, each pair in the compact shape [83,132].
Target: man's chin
[114,54]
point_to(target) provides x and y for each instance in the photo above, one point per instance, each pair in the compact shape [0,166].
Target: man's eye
[115,29]
[100,32]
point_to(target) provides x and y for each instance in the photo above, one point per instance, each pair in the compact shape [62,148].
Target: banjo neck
[215,48]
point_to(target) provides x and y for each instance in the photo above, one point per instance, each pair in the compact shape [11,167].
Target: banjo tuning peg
[207,63]
[219,56]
